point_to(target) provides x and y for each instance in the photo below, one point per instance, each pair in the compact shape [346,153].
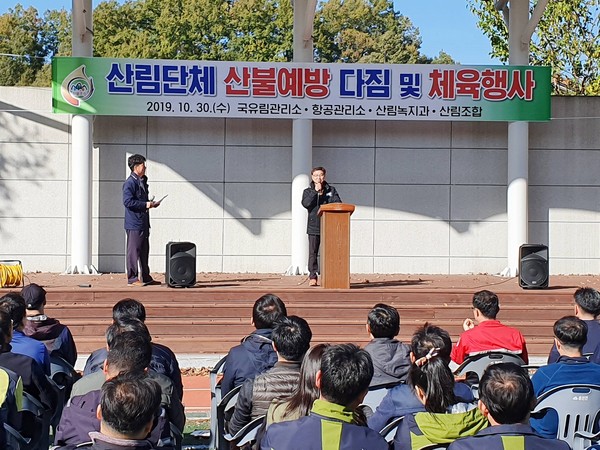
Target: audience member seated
[128,408]
[11,400]
[402,399]
[587,308]
[163,359]
[390,356]
[255,354]
[306,392]
[485,333]
[570,335]
[446,418]
[343,380]
[506,398]
[130,353]
[14,305]
[55,336]
[291,340]
[35,382]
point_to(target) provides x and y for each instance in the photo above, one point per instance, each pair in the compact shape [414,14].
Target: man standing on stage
[137,222]
[318,193]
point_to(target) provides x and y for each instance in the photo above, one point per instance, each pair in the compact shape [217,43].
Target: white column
[81,154]
[518,144]
[301,144]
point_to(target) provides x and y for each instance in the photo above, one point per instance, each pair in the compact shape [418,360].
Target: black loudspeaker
[181,264]
[533,266]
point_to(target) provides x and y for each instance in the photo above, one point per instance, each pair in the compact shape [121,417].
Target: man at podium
[318,193]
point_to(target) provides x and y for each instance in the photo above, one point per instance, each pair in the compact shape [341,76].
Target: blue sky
[444,25]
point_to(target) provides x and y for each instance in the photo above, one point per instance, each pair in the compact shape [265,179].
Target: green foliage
[567,39]
[23,52]
[365,31]
[352,31]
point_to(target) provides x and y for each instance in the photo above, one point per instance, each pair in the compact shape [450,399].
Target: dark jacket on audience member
[508,437]
[256,395]
[169,401]
[163,361]
[55,336]
[103,442]
[401,400]
[34,380]
[593,340]
[327,427]
[391,361]
[253,356]
[79,419]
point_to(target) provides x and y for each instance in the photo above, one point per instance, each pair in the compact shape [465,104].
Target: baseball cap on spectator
[34,295]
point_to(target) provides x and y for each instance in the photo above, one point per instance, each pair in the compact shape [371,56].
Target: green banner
[173,88]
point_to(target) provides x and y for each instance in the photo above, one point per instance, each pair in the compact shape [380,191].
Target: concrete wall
[430,196]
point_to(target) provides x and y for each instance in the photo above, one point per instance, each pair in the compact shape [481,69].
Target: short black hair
[487,303]
[126,324]
[571,331]
[321,168]
[346,371]
[267,310]
[430,336]
[130,308]
[588,299]
[291,336]
[130,352]
[129,402]
[507,392]
[384,321]
[134,160]
[14,304]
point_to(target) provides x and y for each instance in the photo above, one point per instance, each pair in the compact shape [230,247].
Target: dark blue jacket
[253,356]
[54,335]
[312,201]
[565,371]
[507,437]
[328,427]
[163,361]
[401,400]
[24,345]
[135,197]
[79,419]
[593,340]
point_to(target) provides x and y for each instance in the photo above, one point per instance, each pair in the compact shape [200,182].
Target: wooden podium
[335,245]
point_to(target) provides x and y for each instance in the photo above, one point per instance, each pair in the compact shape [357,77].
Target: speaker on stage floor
[533,266]
[180,268]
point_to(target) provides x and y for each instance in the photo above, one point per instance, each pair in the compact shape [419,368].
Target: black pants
[314,241]
[138,249]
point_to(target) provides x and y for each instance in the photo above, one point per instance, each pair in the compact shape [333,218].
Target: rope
[11,275]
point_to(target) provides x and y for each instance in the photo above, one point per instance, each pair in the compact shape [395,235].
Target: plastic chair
[478,363]
[247,435]
[373,399]
[224,411]
[215,398]
[578,409]
[389,431]
[36,424]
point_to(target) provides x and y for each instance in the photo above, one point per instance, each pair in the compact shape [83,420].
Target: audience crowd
[311,397]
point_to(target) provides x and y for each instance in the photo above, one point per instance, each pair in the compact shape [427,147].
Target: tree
[20,45]
[567,39]
[366,31]
[168,29]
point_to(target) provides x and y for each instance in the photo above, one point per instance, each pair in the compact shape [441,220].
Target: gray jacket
[391,361]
